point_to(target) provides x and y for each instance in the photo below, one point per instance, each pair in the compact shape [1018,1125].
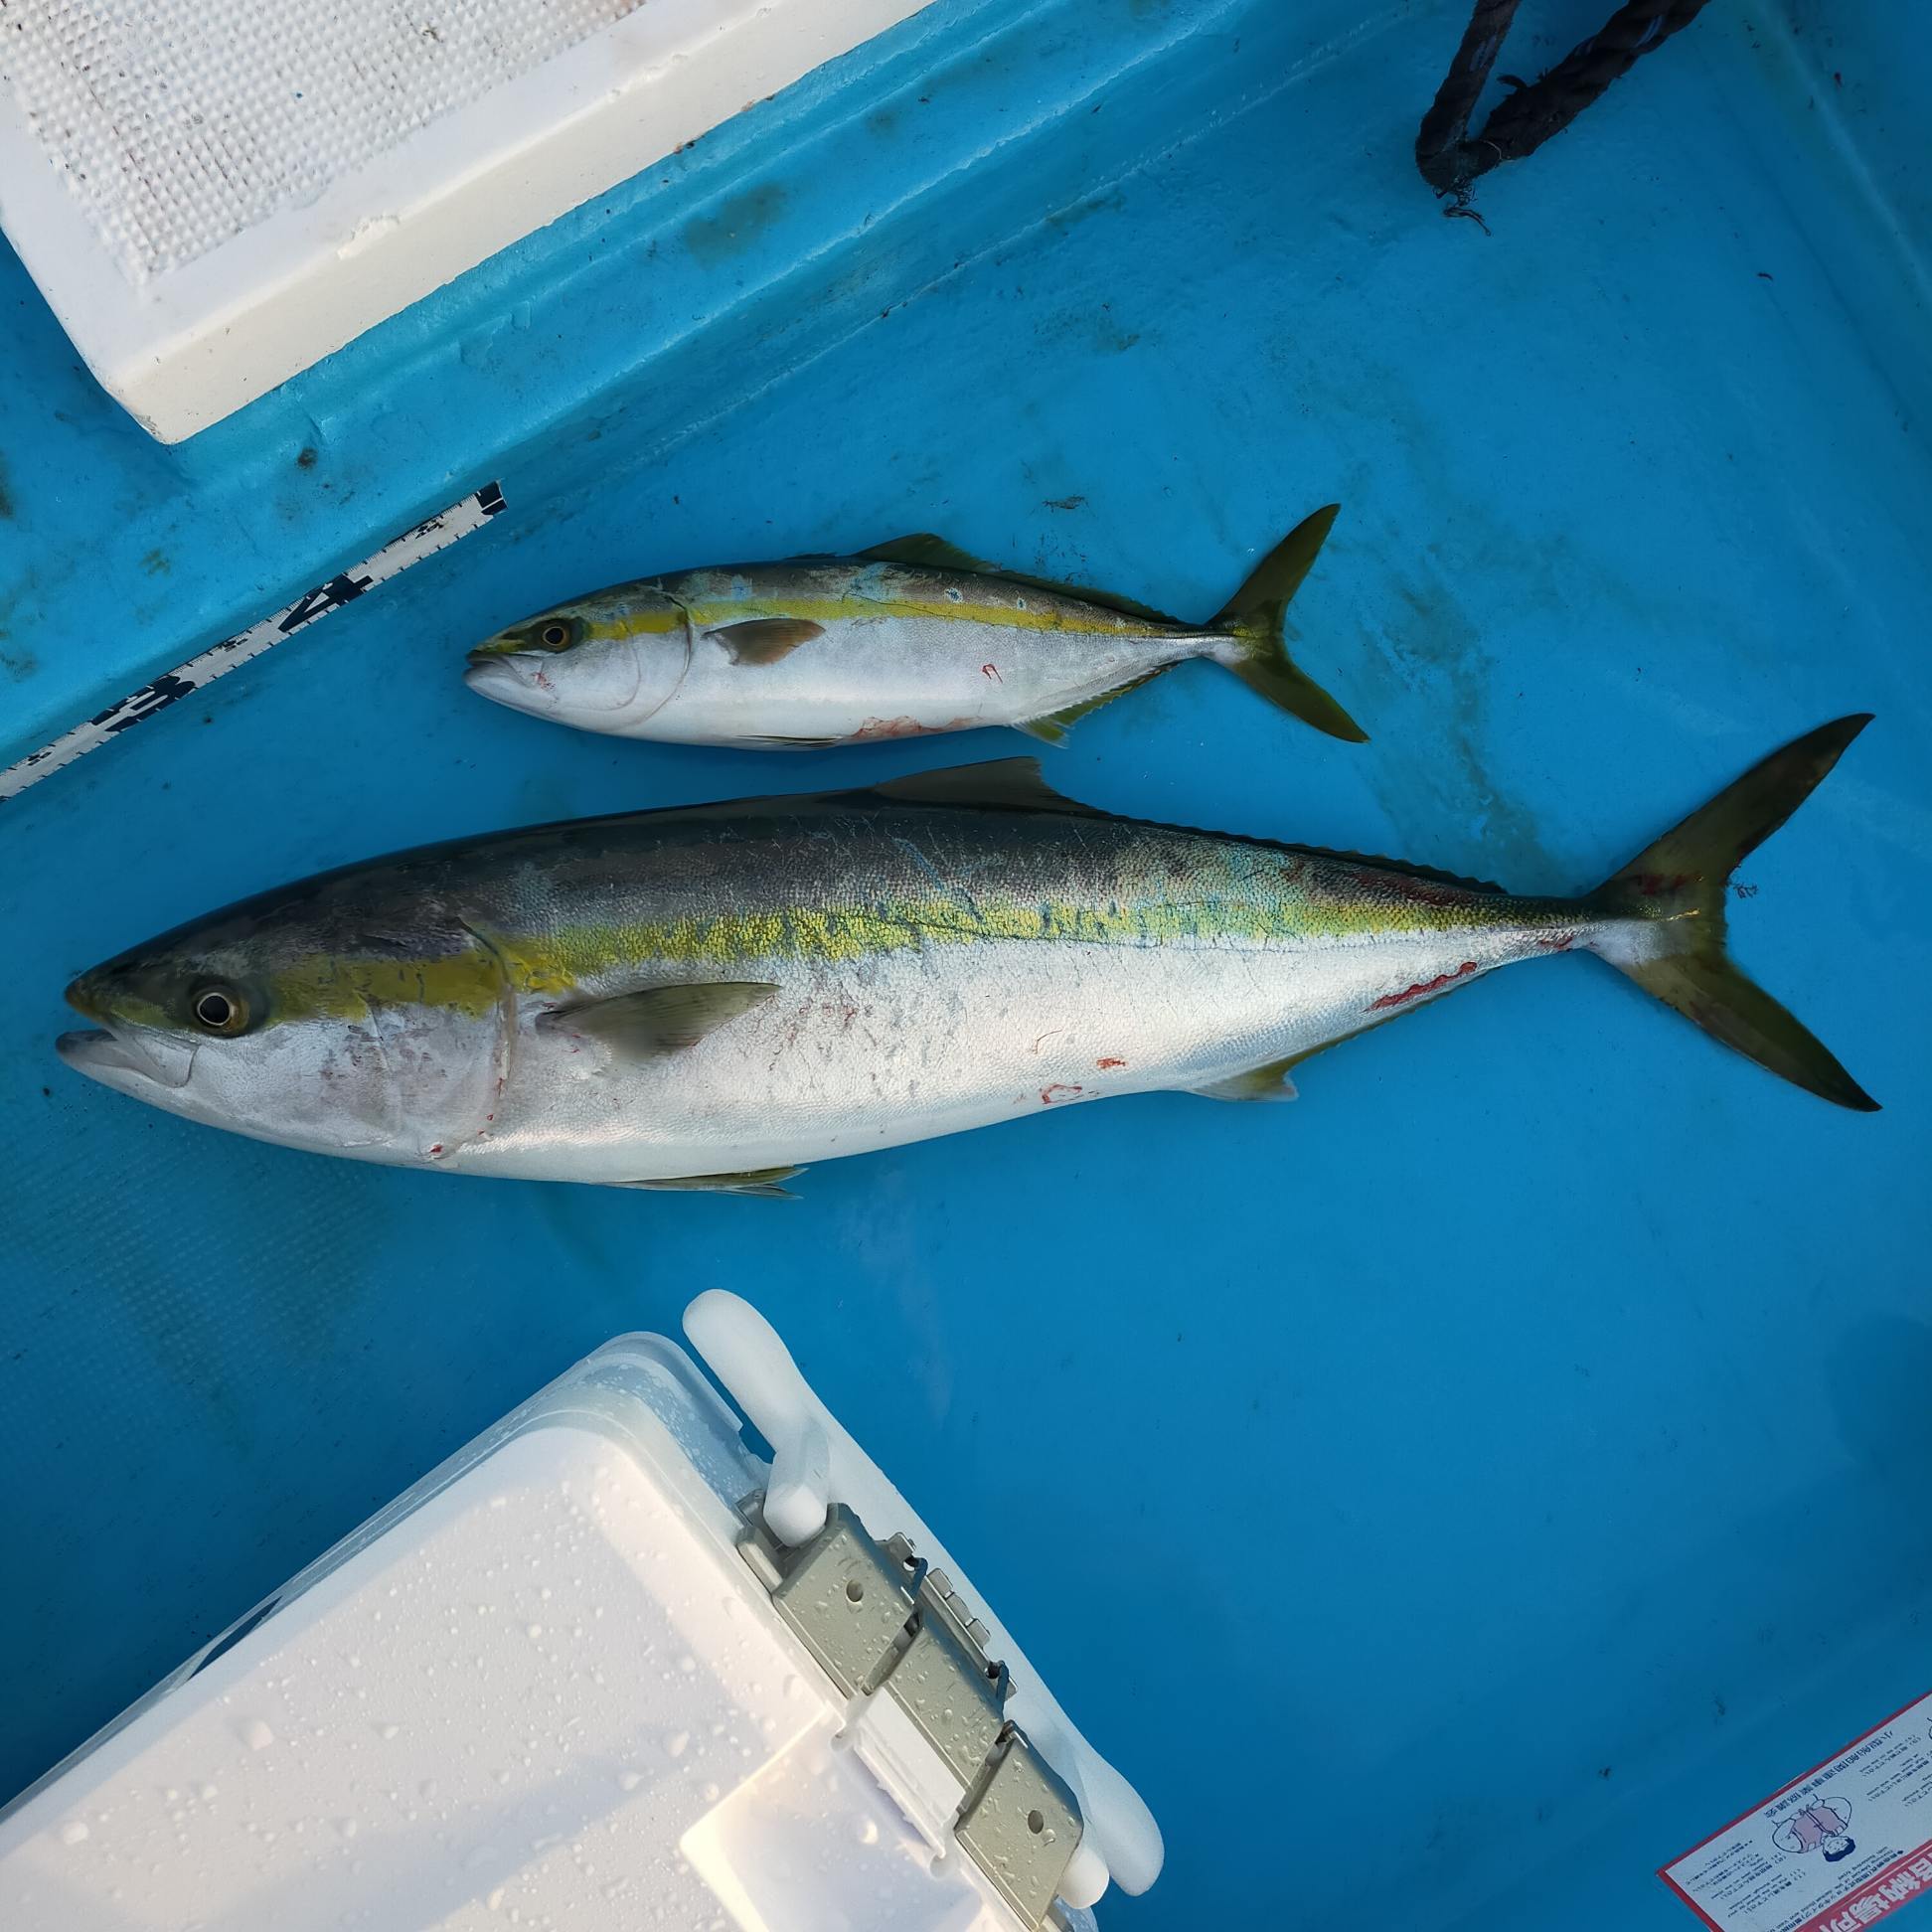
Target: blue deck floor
[1446,1497]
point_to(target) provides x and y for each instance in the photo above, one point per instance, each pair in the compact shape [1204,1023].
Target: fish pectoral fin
[760,1184]
[764,640]
[660,1020]
[1010,784]
[1270,1083]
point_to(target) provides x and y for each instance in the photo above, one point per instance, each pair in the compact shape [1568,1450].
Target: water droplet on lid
[495,1899]
[534,1631]
[74,1832]
[254,1734]
[675,1744]
[629,1780]
[867,1831]
[386,1732]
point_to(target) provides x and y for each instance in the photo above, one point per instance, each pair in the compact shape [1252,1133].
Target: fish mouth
[518,678]
[129,1060]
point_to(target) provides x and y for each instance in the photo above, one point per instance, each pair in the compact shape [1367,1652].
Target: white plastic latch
[908,1629]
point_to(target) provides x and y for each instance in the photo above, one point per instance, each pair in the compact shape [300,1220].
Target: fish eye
[555,635]
[219,1010]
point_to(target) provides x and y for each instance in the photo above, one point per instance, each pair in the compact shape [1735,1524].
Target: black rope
[1450,160]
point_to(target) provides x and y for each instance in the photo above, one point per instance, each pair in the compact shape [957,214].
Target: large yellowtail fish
[710,996]
[910,638]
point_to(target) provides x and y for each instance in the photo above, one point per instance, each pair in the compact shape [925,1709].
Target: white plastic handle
[815,1464]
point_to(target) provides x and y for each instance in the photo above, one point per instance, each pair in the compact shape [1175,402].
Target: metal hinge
[879,1620]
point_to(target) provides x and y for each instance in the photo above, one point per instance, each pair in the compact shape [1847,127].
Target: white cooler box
[605,1668]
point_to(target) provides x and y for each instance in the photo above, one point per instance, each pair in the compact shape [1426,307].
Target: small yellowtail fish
[910,638]
[712,996]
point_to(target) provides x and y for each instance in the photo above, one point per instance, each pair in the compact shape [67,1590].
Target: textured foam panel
[177,127]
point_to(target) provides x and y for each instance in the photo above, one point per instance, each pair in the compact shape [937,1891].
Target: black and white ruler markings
[428,536]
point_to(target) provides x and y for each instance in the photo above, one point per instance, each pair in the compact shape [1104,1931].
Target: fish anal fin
[660,1020]
[1053,728]
[1268,1083]
[1273,1082]
[760,1184]
[1340,1039]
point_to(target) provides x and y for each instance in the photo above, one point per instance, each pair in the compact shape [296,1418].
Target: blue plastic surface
[1448,1497]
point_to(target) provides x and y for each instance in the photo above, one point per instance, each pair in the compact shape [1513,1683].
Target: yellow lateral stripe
[643,623]
[559,963]
[713,614]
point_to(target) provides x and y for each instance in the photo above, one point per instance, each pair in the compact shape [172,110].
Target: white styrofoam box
[212,196]
[543,1689]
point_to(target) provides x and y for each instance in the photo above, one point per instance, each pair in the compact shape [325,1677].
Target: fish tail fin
[1252,644]
[1662,917]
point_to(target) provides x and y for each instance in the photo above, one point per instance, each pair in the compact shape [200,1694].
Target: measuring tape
[426,540]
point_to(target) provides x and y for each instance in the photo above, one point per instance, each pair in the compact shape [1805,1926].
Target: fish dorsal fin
[1107,599]
[1013,784]
[927,551]
[923,551]
[1434,873]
